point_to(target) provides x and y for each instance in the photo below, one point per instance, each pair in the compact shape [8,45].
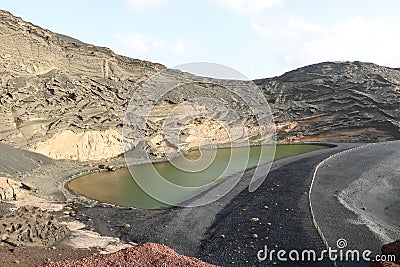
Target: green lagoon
[119,188]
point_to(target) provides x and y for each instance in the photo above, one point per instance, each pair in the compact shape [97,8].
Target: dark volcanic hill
[341,101]
[67,99]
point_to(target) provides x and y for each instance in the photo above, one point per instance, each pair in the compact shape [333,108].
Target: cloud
[284,27]
[248,7]
[303,42]
[179,47]
[138,45]
[138,5]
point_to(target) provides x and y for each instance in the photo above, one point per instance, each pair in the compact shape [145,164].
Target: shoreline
[212,185]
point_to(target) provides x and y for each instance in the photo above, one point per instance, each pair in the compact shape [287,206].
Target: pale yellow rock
[87,145]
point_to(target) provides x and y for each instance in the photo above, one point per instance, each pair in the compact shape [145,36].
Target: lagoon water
[120,188]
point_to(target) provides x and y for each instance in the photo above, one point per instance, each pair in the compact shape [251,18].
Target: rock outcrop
[86,145]
[9,189]
[30,226]
[67,99]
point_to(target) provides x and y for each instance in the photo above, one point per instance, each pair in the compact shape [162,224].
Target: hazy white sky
[259,38]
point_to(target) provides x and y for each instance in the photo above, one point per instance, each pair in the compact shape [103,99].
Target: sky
[258,38]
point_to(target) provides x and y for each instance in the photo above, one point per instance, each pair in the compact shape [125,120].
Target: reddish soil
[392,249]
[33,256]
[148,254]
[389,249]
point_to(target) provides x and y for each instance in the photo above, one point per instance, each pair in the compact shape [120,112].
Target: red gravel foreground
[389,249]
[148,254]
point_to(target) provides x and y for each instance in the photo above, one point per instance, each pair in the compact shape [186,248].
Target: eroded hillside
[72,92]
[67,99]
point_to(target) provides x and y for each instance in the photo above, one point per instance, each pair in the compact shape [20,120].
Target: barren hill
[337,101]
[53,87]
[67,99]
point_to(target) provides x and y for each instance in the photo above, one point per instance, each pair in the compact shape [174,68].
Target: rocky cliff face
[67,99]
